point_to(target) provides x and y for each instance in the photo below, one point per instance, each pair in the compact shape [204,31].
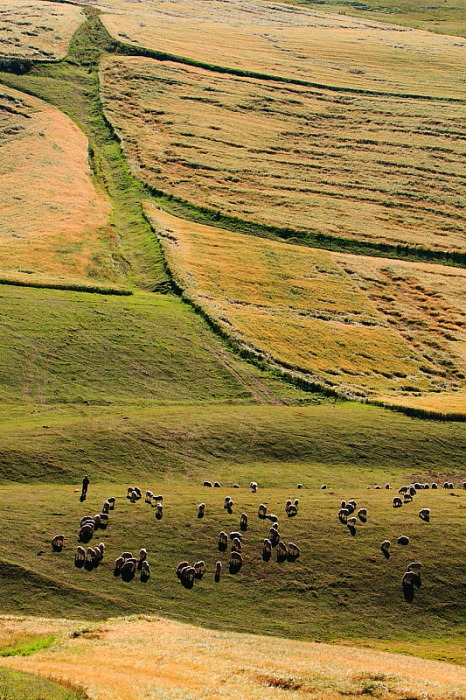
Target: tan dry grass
[310,310]
[373,169]
[37,29]
[295,42]
[54,220]
[131,658]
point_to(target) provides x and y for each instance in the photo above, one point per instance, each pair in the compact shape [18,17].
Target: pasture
[37,30]
[270,296]
[121,660]
[363,168]
[294,42]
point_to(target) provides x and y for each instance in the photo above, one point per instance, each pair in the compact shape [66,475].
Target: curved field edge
[16,685]
[306,380]
[256,667]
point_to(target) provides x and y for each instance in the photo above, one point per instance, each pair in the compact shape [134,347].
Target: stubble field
[375,169]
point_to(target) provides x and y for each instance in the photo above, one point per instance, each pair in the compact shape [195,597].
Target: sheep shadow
[235,566]
[266,554]
[281,557]
[217,578]
[292,557]
[116,571]
[89,564]
[79,563]
[222,546]
[144,577]
[408,592]
[243,527]
[385,553]
[198,575]
[57,547]
[352,530]
[187,582]
[362,518]
[127,575]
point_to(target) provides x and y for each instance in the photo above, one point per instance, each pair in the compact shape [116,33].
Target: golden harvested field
[295,42]
[135,657]
[54,221]
[366,325]
[37,29]
[369,168]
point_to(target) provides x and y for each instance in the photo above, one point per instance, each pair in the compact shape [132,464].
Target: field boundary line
[90,289]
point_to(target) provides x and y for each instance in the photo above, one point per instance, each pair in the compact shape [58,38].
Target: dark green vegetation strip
[130,50]
[72,85]
[22,686]
[312,239]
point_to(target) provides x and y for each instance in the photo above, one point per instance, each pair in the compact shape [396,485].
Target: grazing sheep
[343,504]
[142,558]
[434,486]
[275,526]
[126,556]
[145,572]
[118,564]
[129,491]
[85,533]
[343,515]
[79,557]
[288,504]
[149,497]
[417,486]
[352,502]
[262,511]
[397,502]
[236,545]
[101,546]
[243,522]
[187,576]
[296,502]
[158,499]
[128,569]
[201,510]
[236,562]
[106,507]
[90,555]
[222,541]
[138,491]
[266,550]
[111,501]
[207,483]
[385,546]
[403,489]
[273,518]
[274,536]
[412,491]
[199,568]
[351,521]
[362,515]
[253,486]
[324,486]
[299,486]
[86,519]
[282,552]
[133,497]
[464,484]
[182,565]
[236,535]
[409,577]
[403,540]
[446,485]
[235,486]
[159,511]
[218,571]
[451,485]
[58,542]
[424,514]
[377,487]
[292,511]
[103,520]
[228,504]
[414,566]
[216,485]
[387,486]
[97,556]
[407,498]
[293,551]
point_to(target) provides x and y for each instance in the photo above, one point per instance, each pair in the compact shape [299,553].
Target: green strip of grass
[30,647]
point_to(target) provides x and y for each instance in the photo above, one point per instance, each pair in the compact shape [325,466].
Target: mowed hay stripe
[54,220]
[120,660]
[308,310]
[375,170]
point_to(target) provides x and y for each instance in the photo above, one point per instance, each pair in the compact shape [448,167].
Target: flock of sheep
[126,565]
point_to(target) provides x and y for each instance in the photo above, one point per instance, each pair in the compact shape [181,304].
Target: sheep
[142,558]
[105,507]
[201,510]
[236,545]
[145,572]
[235,486]
[207,483]
[133,497]
[293,551]
[412,490]
[118,564]
[101,546]
[85,533]
[79,557]
[228,504]
[446,485]
[275,526]
[351,503]
[90,559]
[464,484]
[385,546]
[86,519]
[351,521]
[126,556]
[222,541]
[282,551]
[138,491]
[324,486]
[159,511]
[97,521]
[58,542]
[218,571]
[407,498]
[243,522]
[187,576]
[266,550]
[397,502]
[273,518]
[403,540]
[451,485]
[434,486]
[296,502]
[158,499]
[292,511]
[199,568]
[97,556]
[112,501]
[253,486]
[343,504]
[424,514]
[129,491]
[274,536]
[343,515]
[409,577]
[288,504]
[236,562]
[216,484]
[128,569]
[299,486]
[377,487]
[387,486]
[182,565]
[417,486]
[403,489]
[103,520]
[362,515]
[262,511]
[236,535]
[149,497]
[414,566]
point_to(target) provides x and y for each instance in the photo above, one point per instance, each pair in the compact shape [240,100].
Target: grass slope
[189,662]
[18,686]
